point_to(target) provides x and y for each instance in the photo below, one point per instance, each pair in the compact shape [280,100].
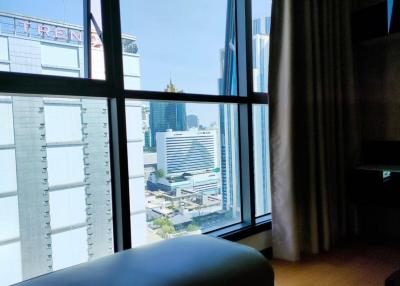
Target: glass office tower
[228,118]
[167,115]
[261,41]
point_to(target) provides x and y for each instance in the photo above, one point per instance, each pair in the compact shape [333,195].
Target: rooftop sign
[53,31]
[38,30]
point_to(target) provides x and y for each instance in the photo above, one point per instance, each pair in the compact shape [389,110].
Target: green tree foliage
[165,226]
[192,227]
[160,173]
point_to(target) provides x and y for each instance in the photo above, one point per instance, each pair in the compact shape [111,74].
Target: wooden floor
[359,264]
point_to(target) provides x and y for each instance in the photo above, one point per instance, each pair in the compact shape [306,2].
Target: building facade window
[119,130]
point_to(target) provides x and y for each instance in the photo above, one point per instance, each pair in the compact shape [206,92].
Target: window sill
[242,230]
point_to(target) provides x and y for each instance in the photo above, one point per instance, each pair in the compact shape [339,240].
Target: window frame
[112,89]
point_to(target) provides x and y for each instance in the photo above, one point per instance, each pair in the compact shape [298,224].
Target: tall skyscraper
[167,115]
[55,185]
[393,12]
[261,40]
[261,160]
[261,26]
[228,119]
[192,121]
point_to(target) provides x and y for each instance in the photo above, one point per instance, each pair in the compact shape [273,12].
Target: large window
[148,129]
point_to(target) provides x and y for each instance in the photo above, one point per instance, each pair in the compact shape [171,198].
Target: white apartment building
[192,151]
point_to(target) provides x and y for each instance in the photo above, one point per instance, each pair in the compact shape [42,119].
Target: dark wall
[377,65]
[378,203]
[378,77]
[359,4]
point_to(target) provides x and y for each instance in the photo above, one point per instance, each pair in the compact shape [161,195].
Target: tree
[167,229]
[165,226]
[162,221]
[160,173]
[192,227]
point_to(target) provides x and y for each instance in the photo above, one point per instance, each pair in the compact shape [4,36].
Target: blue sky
[178,39]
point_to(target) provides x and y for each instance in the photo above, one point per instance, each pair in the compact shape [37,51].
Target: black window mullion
[38,84]
[119,154]
[245,87]
[87,39]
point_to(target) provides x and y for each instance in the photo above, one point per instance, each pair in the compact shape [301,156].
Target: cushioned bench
[191,260]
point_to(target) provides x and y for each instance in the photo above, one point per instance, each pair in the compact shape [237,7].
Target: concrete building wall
[136,172]
[55,195]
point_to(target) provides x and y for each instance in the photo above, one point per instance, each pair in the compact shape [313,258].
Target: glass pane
[182,180]
[68,207]
[173,40]
[261,15]
[55,190]
[47,37]
[65,165]
[261,159]
[8,177]
[63,254]
[6,126]
[10,263]
[9,218]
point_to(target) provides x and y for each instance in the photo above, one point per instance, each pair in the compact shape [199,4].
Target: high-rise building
[188,176]
[55,190]
[262,26]
[229,159]
[167,115]
[261,40]
[192,121]
[147,139]
[146,127]
[228,120]
[393,12]
[261,160]
[187,151]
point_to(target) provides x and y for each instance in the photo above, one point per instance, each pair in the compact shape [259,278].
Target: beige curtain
[313,126]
